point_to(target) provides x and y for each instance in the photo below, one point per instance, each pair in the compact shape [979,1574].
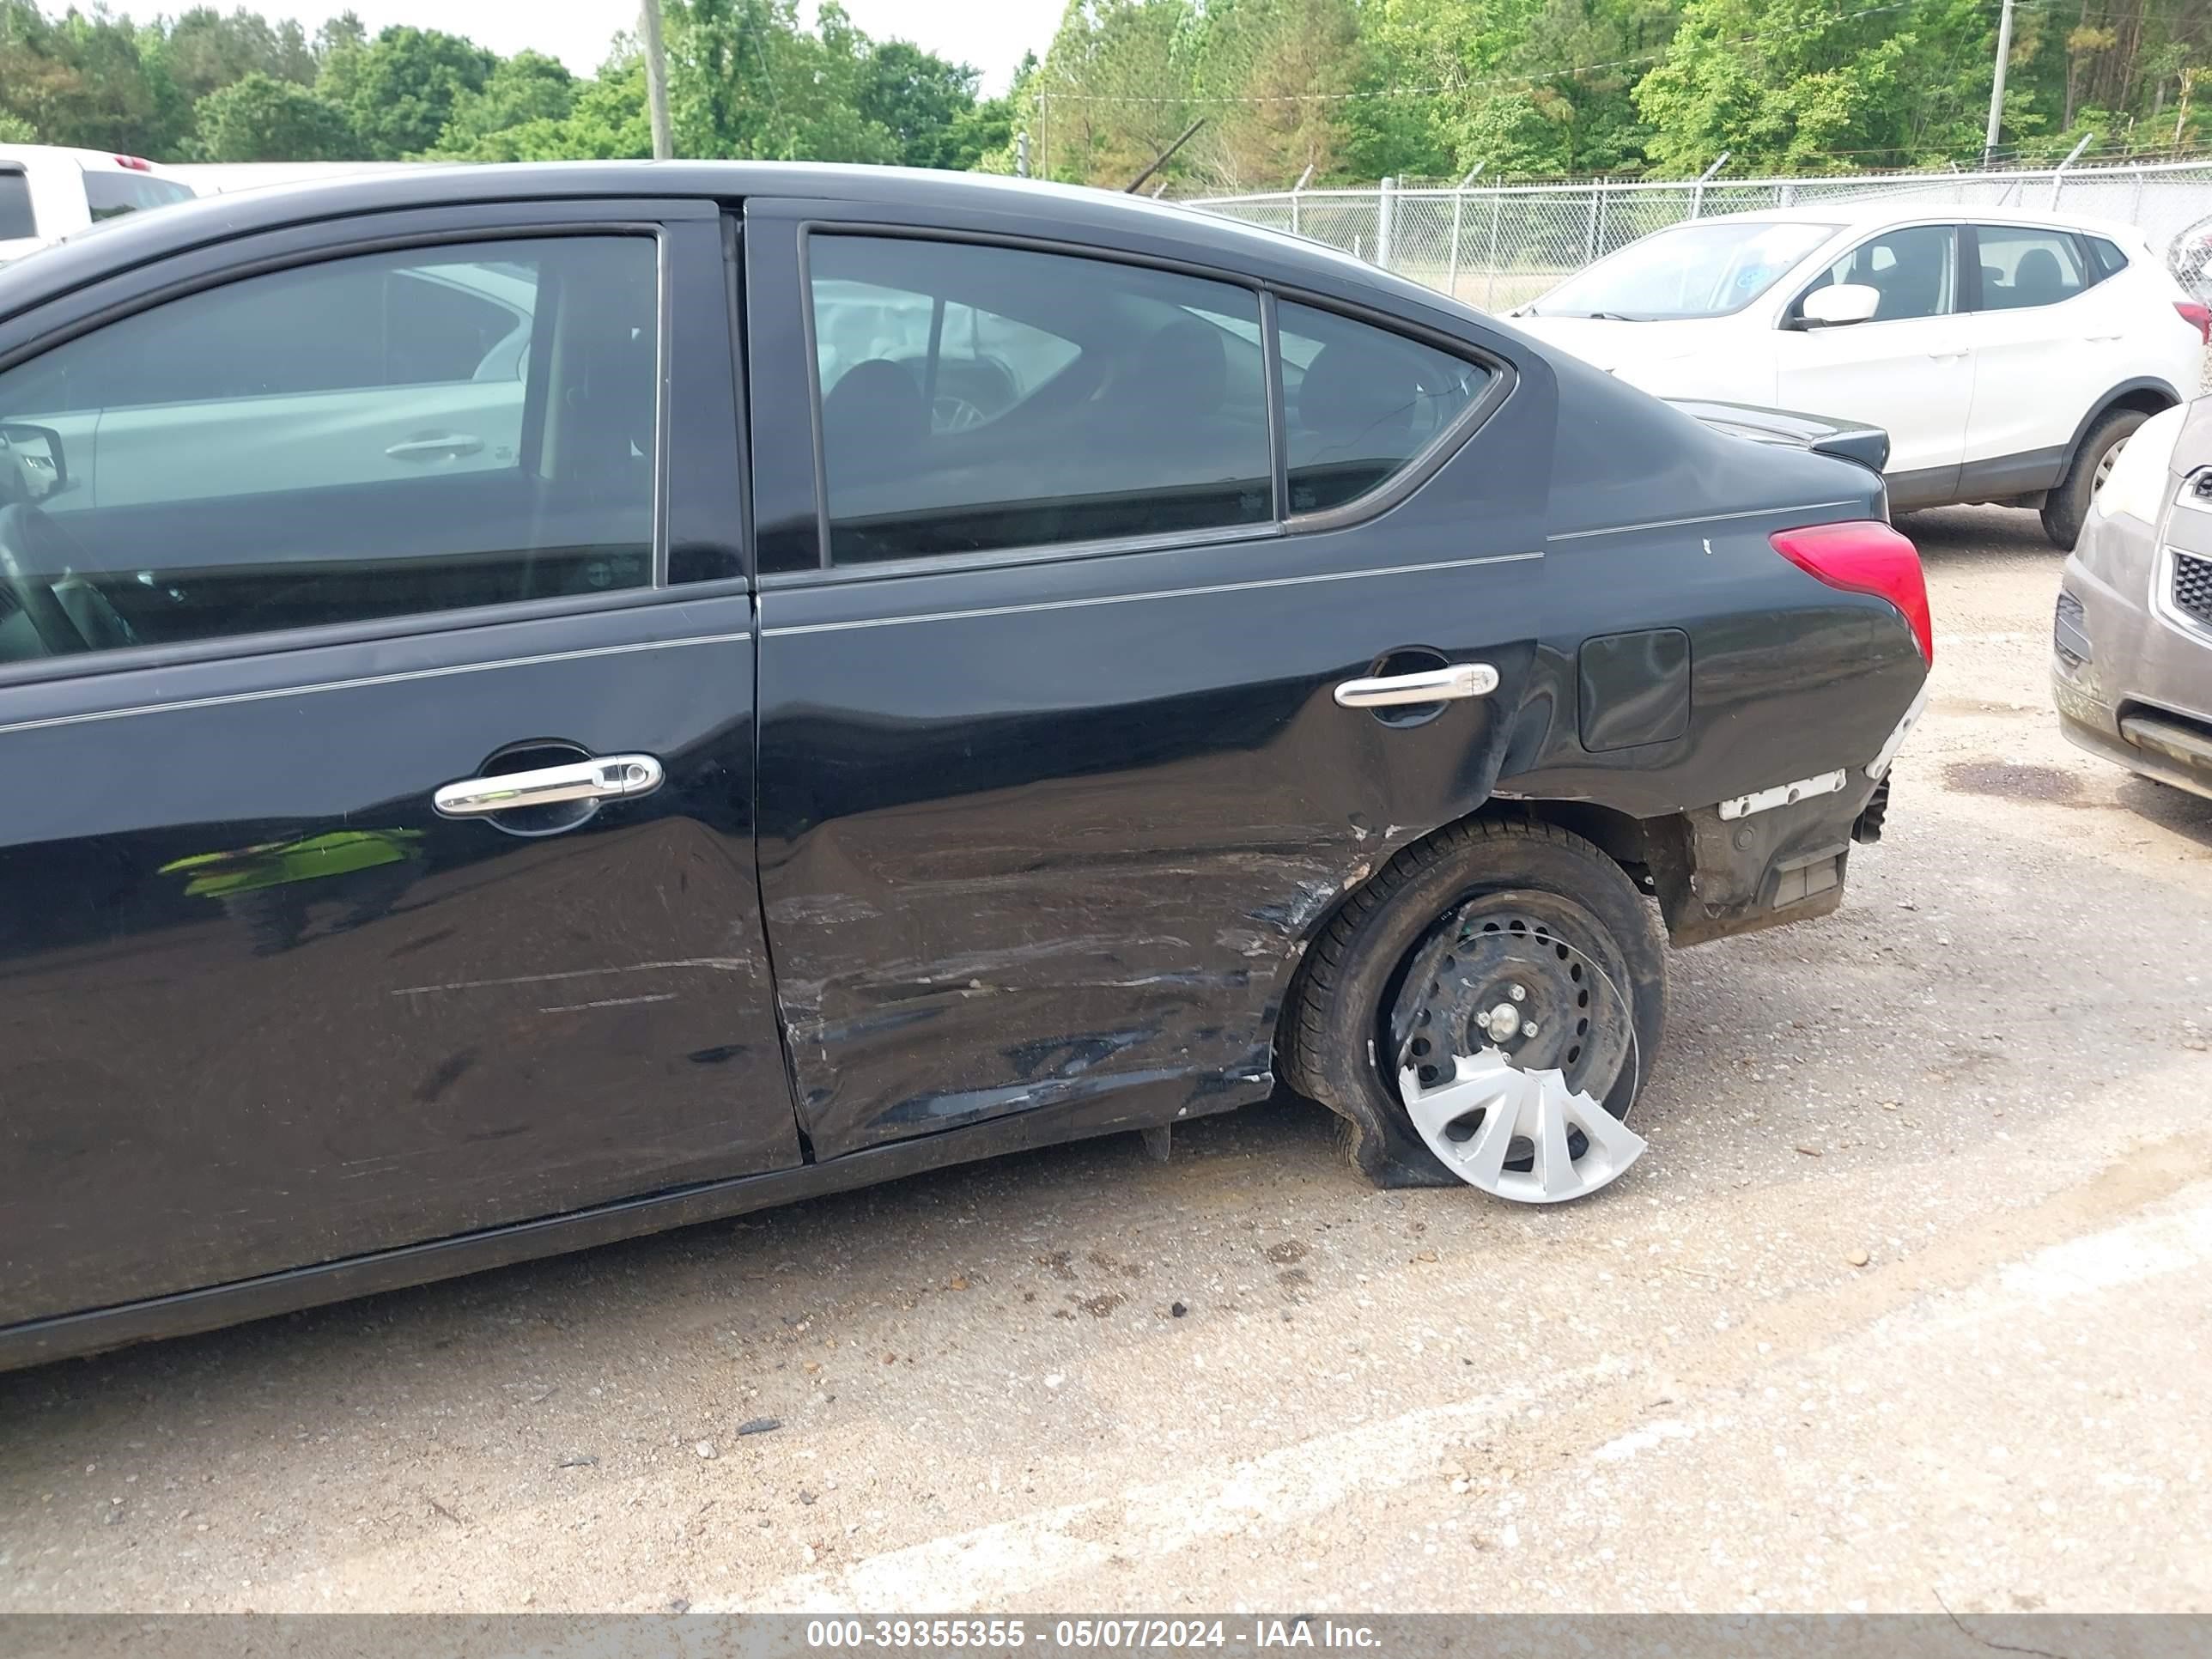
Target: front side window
[1711,268]
[107,195]
[977,399]
[1362,403]
[2023,268]
[1914,270]
[383,434]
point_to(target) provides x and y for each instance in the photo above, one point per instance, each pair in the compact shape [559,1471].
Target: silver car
[2132,646]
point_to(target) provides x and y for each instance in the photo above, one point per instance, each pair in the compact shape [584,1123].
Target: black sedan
[541,704]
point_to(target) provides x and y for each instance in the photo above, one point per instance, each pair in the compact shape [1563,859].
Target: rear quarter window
[16,219]
[108,194]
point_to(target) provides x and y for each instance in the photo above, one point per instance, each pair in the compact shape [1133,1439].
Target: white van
[46,192]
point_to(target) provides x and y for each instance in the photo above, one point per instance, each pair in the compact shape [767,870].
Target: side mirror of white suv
[1844,303]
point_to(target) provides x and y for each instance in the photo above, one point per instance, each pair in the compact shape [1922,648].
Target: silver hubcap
[2105,465]
[1533,1107]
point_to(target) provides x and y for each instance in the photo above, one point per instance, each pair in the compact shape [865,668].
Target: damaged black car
[546,703]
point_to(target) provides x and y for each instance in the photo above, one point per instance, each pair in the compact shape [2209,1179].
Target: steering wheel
[32,544]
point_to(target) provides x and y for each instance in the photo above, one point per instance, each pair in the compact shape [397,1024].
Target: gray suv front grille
[2192,587]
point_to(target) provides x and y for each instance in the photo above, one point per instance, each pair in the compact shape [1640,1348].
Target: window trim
[405,625]
[1504,378]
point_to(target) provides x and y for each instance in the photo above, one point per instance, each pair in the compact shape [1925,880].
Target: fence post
[1304,178]
[1490,287]
[1589,231]
[2058,177]
[1698,190]
[1459,210]
[1386,207]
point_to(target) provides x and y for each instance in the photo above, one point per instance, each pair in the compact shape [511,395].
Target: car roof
[1096,215]
[106,160]
[1863,213]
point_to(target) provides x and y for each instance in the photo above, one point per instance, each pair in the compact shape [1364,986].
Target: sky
[991,34]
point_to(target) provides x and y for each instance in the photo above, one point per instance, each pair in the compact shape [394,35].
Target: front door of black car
[381,526]
[1056,778]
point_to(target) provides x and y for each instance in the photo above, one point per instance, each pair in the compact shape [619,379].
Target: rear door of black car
[357,513]
[1054,779]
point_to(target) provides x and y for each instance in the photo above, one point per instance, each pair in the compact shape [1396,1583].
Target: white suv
[2008,354]
[47,192]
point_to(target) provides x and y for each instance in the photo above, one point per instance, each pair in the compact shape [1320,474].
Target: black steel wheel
[1410,992]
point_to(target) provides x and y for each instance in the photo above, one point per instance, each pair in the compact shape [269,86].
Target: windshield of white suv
[1707,269]
[107,194]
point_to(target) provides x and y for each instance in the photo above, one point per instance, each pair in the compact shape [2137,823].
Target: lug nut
[1530,1028]
[1516,992]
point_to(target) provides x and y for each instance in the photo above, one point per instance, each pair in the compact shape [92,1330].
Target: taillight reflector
[1865,556]
[2197,317]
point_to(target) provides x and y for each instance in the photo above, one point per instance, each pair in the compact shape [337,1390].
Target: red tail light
[1865,556]
[2197,317]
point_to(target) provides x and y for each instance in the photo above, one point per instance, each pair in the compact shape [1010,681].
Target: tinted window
[16,219]
[2110,260]
[1360,404]
[975,398]
[397,321]
[107,194]
[1914,270]
[390,434]
[2021,267]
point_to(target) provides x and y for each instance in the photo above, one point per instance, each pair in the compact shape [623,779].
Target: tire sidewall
[2067,508]
[1468,862]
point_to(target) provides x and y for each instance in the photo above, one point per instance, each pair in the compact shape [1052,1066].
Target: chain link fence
[1497,246]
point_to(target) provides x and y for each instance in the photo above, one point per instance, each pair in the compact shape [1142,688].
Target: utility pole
[1996,87]
[656,77]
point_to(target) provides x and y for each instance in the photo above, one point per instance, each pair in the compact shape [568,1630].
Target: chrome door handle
[435,446]
[610,777]
[1459,679]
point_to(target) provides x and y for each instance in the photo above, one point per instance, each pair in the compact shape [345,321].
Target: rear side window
[977,399]
[1361,403]
[2023,267]
[2110,261]
[384,434]
[16,219]
[107,194]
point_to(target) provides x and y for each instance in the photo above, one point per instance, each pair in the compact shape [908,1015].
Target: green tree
[261,118]
[1794,85]
[918,99]
[402,87]
[525,90]
[205,51]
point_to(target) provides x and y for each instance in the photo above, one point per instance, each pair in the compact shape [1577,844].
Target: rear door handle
[434,446]
[610,777]
[1946,357]
[1459,679]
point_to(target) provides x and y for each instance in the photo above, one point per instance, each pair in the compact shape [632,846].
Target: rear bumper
[1779,856]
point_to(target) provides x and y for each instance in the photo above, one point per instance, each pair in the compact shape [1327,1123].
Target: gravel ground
[1908,1300]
